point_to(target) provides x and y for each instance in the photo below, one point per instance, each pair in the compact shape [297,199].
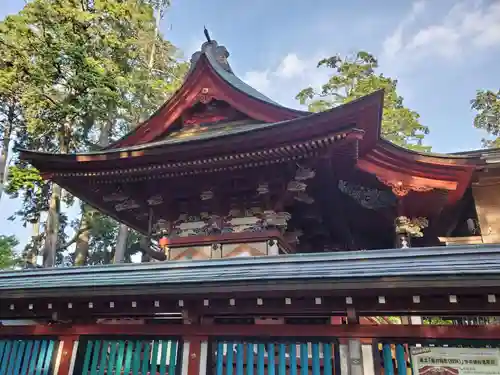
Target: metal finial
[207,35]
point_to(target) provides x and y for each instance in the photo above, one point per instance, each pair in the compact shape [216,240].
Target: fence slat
[229,358]
[239,359]
[172,363]
[293,359]
[282,359]
[400,359]
[136,359]
[104,355]
[271,358]
[327,359]
[48,357]
[250,359]
[387,355]
[260,359]
[146,355]
[28,352]
[34,356]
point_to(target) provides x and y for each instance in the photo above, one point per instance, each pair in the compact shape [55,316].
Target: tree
[8,256]
[487,105]
[84,70]
[354,77]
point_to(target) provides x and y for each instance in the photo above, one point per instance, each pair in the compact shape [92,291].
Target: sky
[440,51]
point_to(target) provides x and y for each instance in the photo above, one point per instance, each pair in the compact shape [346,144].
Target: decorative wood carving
[209,111]
[401,189]
[366,197]
[204,96]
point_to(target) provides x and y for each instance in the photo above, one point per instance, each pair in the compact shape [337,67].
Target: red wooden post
[194,357]
[67,354]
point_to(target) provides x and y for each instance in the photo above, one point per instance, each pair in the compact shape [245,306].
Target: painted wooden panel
[27,357]
[252,249]
[129,357]
[192,252]
[257,357]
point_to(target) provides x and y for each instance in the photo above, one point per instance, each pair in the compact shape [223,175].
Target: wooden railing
[211,349]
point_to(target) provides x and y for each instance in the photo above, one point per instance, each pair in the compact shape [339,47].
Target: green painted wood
[28,351]
[128,357]
[163,359]
[25,356]
[136,358]
[41,358]
[173,358]
[154,357]
[2,347]
[35,353]
[49,355]
[95,357]
[131,357]
[6,357]
[12,358]
[88,356]
[19,358]
[119,356]
[103,364]
[112,356]
[146,355]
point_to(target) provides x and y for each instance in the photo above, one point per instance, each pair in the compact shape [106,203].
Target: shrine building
[276,241]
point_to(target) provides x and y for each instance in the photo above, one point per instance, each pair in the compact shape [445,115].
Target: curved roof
[209,71]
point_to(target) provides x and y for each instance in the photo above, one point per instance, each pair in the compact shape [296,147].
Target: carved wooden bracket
[204,96]
[401,189]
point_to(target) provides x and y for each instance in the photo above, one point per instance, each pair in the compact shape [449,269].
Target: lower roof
[367,268]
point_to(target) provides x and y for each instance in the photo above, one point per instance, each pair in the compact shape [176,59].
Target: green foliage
[8,258]
[487,105]
[68,70]
[436,320]
[354,77]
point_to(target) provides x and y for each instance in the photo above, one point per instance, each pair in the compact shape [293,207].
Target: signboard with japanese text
[455,361]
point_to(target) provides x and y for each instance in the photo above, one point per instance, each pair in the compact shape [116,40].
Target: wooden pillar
[194,355]
[355,357]
[66,361]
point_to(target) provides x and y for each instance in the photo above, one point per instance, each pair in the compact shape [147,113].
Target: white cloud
[259,80]
[288,77]
[393,44]
[291,66]
[470,24]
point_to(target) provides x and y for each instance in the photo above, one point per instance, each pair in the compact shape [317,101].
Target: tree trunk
[82,247]
[52,228]
[4,152]
[121,243]
[82,242]
[52,224]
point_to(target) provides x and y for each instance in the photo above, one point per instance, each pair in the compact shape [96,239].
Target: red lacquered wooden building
[306,202]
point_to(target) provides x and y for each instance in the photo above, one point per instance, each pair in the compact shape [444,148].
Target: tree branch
[74,239]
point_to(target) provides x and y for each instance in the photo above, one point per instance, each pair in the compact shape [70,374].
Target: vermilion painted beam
[354,331]
[67,354]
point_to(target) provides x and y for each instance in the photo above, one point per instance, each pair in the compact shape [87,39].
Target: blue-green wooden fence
[130,356]
[271,357]
[27,357]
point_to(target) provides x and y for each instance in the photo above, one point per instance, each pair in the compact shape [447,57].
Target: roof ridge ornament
[216,54]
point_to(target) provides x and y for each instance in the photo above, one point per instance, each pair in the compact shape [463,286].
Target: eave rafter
[148,169]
